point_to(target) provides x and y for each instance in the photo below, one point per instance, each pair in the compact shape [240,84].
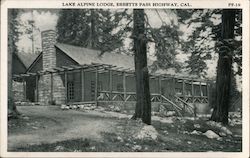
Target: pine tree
[224,68]
[12,48]
[199,44]
[143,103]
[93,28]
[166,40]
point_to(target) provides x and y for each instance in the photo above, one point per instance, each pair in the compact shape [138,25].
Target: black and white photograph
[125,80]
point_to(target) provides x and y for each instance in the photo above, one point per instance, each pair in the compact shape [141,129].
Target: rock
[117,109]
[222,128]
[67,108]
[89,108]
[226,130]
[185,132]
[166,132]
[211,134]
[81,106]
[167,120]
[170,113]
[92,148]
[59,148]
[26,118]
[222,134]
[34,127]
[100,109]
[111,107]
[196,132]
[189,142]
[120,139]
[77,150]
[137,148]
[197,126]
[219,139]
[72,106]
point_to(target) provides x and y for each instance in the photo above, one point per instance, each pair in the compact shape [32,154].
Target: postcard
[122,78]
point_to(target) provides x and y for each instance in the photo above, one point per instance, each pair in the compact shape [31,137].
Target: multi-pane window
[92,89]
[71,90]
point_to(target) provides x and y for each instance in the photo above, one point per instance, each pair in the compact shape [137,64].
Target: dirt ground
[49,124]
[50,129]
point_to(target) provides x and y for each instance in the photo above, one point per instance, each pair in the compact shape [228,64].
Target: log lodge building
[66,74]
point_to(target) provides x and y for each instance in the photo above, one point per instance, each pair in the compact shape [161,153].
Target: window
[92,89]
[71,90]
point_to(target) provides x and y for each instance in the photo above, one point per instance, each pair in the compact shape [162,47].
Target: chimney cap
[50,30]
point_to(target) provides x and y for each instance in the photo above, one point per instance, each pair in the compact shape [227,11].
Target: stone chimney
[48,48]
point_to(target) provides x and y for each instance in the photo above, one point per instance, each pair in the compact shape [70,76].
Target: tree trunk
[143,103]
[12,111]
[92,30]
[224,69]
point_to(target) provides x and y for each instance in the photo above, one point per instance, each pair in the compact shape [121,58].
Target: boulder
[211,134]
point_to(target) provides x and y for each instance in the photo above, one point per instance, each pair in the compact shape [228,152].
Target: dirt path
[49,124]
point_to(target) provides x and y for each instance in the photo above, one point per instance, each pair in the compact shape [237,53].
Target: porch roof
[103,68]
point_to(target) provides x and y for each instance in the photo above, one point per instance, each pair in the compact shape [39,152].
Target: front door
[70,91]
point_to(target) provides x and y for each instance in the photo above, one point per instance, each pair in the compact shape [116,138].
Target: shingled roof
[27,58]
[87,56]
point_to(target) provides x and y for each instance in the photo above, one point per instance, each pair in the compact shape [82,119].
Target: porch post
[96,85]
[159,83]
[37,90]
[174,86]
[24,89]
[183,87]
[66,86]
[82,85]
[51,87]
[124,85]
[200,89]
[193,99]
[159,87]
[192,84]
[110,84]
[208,97]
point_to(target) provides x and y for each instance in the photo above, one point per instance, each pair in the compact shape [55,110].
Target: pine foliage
[93,28]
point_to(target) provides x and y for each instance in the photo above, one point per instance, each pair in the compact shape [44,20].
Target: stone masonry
[49,62]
